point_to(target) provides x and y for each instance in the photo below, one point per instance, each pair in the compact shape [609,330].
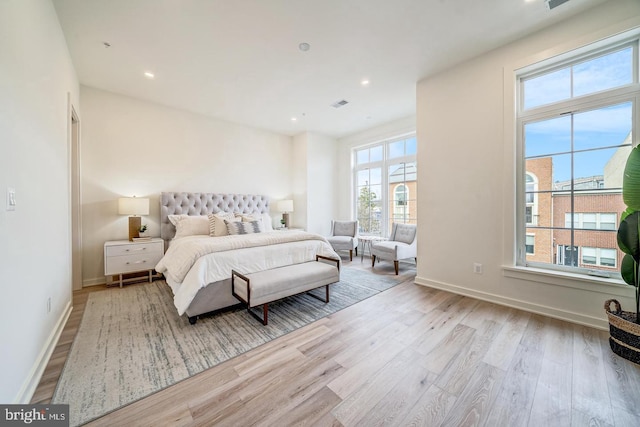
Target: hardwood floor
[408,356]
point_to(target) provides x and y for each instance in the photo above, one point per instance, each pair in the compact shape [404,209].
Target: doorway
[76,217]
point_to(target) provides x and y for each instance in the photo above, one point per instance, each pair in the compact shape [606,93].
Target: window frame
[386,196]
[574,105]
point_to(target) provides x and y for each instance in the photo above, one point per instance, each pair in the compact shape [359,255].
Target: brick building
[538,210]
[403,191]
[597,205]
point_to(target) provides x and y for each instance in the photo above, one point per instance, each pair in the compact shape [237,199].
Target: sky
[598,129]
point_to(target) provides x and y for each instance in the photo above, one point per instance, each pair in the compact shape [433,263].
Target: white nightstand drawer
[134,249]
[128,264]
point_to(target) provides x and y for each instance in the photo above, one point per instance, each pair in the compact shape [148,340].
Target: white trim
[581,281]
[33,379]
[511,233]
[383,165]
[94,282]
[568,316]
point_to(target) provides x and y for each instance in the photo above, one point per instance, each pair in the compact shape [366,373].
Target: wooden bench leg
[265,314]
[395,265]
[326,298]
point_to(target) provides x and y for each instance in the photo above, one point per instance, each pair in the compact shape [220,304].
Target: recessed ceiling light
[304,47]
[149,75]
[293,119]
[364,82]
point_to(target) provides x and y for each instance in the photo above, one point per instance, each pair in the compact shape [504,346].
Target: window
[531,244]
[589,256]
[394,189]
[575,126]
[582,77]
[593,221]
[599,257]
[531,209]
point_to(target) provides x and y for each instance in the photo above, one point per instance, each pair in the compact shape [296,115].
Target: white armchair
[402,244]
[344,237]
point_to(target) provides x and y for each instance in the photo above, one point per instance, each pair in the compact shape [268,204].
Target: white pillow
[216,225]
[267,224]
[187,225]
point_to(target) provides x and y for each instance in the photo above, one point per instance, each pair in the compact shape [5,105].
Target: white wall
[314,182]
[321,183]
[298,166]
[133,147]
[466,152]
[344,199]
[36,76]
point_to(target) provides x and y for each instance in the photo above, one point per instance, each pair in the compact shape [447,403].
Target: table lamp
[285,206]
[133,206]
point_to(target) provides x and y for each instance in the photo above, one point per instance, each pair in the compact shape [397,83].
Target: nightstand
[123,256]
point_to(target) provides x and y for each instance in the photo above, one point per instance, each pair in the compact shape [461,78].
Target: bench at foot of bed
[263,287]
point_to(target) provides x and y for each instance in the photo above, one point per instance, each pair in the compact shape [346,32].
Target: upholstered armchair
[344,237]
[401,244]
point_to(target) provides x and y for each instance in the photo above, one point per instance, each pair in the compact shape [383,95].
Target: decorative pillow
[244,227]
[187,225]
[344,228]
[267,223]
[217,226]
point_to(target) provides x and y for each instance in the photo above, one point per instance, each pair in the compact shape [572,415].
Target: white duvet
[192,262]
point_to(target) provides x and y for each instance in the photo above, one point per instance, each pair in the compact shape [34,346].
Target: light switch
[11,199]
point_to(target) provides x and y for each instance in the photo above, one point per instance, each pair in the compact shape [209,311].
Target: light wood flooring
[408,356]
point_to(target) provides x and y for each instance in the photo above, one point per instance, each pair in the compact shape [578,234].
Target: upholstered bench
[263,287]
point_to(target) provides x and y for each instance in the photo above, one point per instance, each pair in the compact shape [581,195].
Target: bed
[198,267]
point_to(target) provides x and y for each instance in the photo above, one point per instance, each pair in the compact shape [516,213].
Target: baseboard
[555,313]
[30,385]
[94,282]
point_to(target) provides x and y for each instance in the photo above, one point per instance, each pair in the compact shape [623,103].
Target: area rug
[131,341]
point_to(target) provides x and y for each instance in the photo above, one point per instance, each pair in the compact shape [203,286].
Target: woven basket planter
[624,331]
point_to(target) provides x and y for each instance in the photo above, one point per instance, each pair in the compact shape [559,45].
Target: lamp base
[134,227]
[285,217]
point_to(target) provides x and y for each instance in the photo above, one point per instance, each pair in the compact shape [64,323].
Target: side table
[123,256]
[367,241]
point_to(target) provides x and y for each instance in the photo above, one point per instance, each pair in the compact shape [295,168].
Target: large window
[385,185]
[576,121]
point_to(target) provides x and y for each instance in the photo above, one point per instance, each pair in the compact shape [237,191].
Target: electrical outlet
[11,199]
[477,268]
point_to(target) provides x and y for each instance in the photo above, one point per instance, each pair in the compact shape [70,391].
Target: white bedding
[195,261]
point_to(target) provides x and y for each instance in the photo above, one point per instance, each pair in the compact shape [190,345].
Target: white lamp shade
[133,206]
[285,205]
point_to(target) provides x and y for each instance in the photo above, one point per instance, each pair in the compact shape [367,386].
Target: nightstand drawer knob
[137,249]
[137,262]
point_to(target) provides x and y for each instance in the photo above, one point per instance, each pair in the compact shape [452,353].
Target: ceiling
[239,60]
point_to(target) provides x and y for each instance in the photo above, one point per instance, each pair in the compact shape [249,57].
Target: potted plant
[624,326]
[142,230]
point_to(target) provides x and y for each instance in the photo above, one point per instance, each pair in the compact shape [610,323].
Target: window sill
[570,280]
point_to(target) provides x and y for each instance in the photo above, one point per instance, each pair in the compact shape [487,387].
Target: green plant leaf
[629,236]
[626,213]
[628,269]
[631,180]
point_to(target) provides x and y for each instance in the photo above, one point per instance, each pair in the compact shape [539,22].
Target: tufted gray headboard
[205,203]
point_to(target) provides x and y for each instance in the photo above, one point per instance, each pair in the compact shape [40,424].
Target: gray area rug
[131,341]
